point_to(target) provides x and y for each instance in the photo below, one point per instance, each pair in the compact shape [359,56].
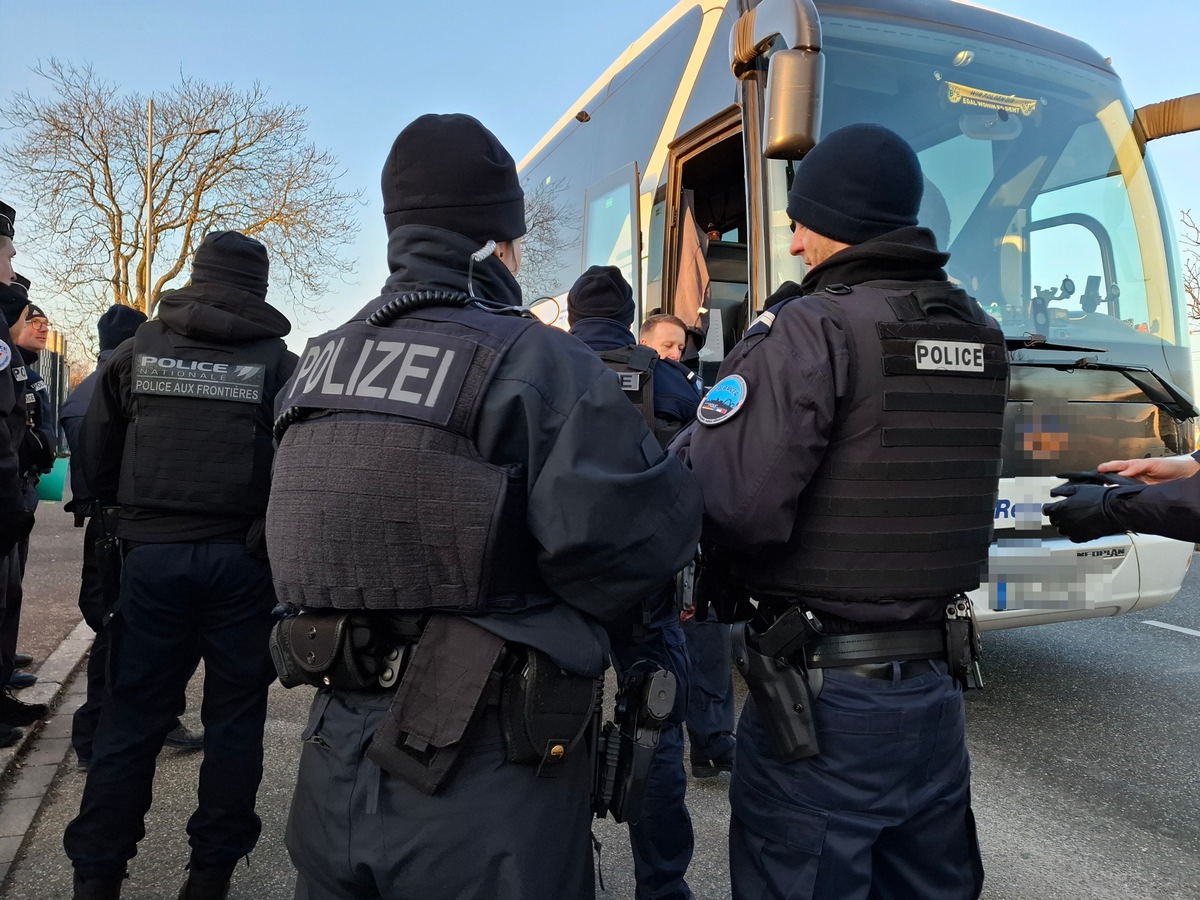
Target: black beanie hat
[231,258]
[13,300]
[8,219]
[118,324]
[34,312]
[601,293]
[451,172]
[857,183]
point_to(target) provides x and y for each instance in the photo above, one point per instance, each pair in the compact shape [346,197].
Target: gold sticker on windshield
[969,96]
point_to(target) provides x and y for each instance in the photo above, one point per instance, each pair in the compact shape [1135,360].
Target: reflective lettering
[392,349]
[322,361]
[330,386]
[368,346]
[408,369]
[440,378]
[306,364]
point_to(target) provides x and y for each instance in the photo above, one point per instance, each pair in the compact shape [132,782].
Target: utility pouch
[625,746]
[544,710]
[443,690]
[323,650]
[963,647]
[109,559]
[781,694]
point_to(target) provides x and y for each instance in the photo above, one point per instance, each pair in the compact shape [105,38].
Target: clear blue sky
[365,68]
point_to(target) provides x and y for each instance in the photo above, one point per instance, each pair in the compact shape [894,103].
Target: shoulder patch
[722,401]
[5,356]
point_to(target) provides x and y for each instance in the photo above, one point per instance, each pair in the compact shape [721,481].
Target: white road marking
[1190,631]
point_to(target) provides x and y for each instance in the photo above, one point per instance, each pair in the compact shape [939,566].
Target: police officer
[36,455]
[99,580]
[179,434]
[1147,496]
[849,455]
[16,520]
[462,497]
[600,311]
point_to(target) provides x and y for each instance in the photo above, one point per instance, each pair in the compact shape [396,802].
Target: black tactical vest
[902,505]
[634,365]
[381,499]
[199,439]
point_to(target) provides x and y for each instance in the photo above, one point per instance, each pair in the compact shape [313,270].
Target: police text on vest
[950,356]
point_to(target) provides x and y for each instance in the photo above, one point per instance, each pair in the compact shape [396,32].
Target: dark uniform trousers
[10,619]
[10,610]
[502,833]
[178,600]
[883,812]
[662,839]
[92,605]
[710,691]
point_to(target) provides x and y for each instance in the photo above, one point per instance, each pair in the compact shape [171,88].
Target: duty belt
[835,650]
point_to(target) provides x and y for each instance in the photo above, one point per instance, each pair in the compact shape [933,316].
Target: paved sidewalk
[53,633]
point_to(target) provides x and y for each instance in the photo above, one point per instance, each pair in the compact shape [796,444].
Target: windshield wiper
[1159,389]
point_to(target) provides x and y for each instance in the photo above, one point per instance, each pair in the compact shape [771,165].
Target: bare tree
[223,159]
[1189,242]
[552,230]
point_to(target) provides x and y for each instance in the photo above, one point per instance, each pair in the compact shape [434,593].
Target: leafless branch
[77,161]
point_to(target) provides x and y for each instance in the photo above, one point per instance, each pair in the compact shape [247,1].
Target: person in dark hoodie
[600,310]
[468,494]
[36,455]
[178,434]
[851,480]
[16,519]
[99,581]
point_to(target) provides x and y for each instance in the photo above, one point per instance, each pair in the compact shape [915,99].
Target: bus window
[610,226]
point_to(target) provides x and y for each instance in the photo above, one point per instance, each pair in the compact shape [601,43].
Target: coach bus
[676,164]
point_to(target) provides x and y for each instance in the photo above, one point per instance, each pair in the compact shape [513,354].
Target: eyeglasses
[38,324]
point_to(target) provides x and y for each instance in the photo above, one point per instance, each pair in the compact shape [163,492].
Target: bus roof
[968,16]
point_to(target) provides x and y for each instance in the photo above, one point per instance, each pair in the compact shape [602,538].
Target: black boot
[206,884]
[17,713]
[102,888]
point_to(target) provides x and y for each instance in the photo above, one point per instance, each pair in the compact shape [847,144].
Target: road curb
[53,677]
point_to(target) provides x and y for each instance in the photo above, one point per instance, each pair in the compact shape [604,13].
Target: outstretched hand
[1084,513]
[1152,471]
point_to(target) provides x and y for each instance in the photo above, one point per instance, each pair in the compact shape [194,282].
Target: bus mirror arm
[1178,116]
[795,75]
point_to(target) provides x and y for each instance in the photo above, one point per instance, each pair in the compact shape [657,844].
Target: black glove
[1095,477]
[14,528]
[1087,512]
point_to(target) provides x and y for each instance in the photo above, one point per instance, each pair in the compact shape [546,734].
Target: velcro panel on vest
[634,366]
[908,401]
[407,520]
[941,437]
[900,470]
[197,456]
[913,581]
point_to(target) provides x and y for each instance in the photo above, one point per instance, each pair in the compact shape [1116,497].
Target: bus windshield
[1035,183]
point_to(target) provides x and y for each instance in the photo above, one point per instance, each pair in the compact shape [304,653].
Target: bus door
[707,240]
[612,227]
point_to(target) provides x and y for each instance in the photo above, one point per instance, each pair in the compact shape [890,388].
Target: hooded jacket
[195,321]
[610,517]
[797,367]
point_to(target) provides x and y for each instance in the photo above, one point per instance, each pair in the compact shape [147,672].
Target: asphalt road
[1084,742]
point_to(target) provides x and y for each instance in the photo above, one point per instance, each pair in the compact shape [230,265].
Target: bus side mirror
[795,80]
